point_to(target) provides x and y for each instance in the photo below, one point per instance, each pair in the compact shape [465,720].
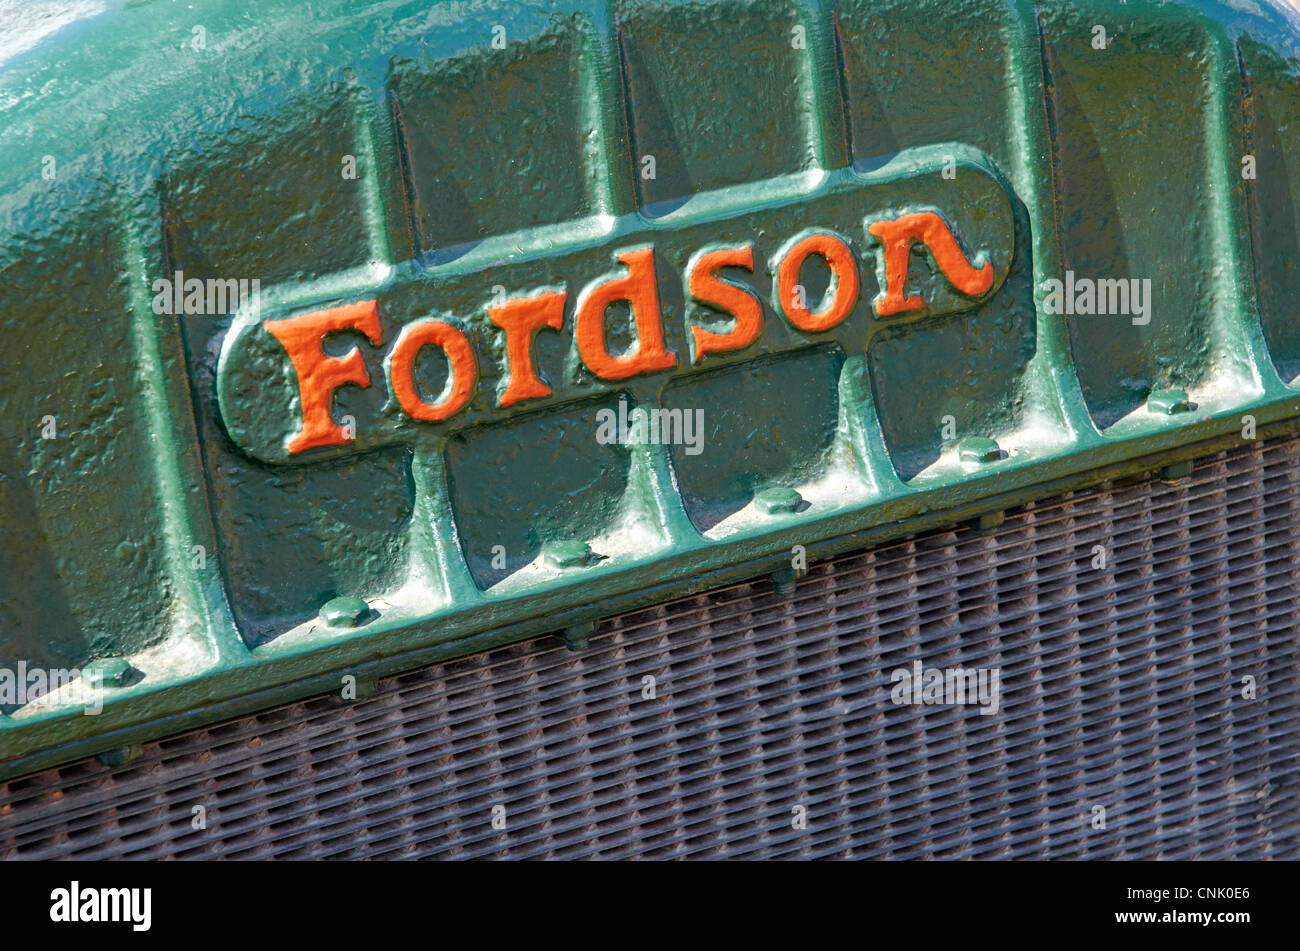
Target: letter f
[320,375]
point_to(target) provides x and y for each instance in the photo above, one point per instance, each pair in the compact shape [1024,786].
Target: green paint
[389,151]
[346,611]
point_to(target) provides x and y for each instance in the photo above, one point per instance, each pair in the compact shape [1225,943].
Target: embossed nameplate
[437,349]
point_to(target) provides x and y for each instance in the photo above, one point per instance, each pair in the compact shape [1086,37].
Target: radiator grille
[1121,689]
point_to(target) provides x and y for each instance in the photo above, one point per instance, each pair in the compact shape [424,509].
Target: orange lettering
[705,286]
[638,288]
[844,268]
[460,358]
[320,375]
[897,237]
[521,318]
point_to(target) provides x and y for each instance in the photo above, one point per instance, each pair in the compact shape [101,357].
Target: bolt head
[978,449]
[568,554]
[777,499]
[345,611]
[1168,402]
[111,671]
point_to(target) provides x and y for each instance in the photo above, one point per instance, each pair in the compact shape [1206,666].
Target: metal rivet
[978,449]
[1168,402]
[777,499]
[345,611]
[568,554]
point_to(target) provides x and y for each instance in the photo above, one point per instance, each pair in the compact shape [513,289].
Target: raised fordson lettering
[460,358]
[617,307]
[844,282]
[899,235]
[638,289]
[519,319]
[320,375]
[707,286]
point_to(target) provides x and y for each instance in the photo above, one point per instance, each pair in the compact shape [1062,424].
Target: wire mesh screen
[1135,646]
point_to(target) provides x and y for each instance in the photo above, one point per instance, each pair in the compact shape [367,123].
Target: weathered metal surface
[486,237]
